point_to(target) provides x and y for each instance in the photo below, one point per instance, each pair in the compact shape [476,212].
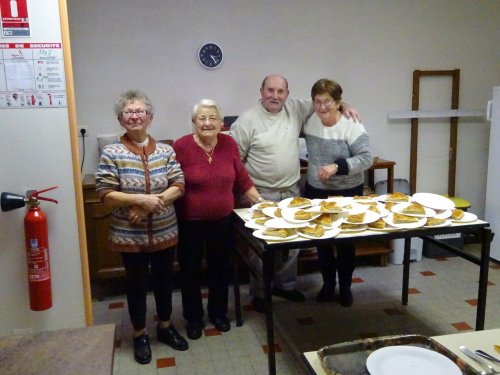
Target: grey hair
[131,96]
[206,103]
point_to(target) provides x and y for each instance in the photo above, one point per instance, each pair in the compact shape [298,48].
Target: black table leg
[236,289]
[485,235]
[406,271]
[268,271]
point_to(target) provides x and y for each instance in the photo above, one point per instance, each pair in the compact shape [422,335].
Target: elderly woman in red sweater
[213,171]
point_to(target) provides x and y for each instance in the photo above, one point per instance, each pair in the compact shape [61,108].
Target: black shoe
[142,349]
[221,323]
[172,338]
[345,297]
[326,294]
[194,330]
[258,304]
[291,295]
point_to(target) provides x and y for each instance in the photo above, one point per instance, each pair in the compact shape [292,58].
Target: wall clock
[210,55]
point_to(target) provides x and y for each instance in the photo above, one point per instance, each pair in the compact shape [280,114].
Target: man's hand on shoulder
[350,112]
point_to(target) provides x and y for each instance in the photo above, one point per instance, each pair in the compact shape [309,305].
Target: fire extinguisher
[37,245]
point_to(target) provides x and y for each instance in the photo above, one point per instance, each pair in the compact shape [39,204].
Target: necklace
[209,154]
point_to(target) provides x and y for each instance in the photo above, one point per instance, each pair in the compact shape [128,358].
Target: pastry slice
[388,205]
[414,209]
[324,219]
[329,206]
[350,226]
[261,220]
[457,214]
[374,209]
[303,215]
[315,231]
[267,204]
[397,197]
[404,219]
[432,221]
[361,197]
[283,233]
[356,218]
[299,202]
[258,214]
[277,212]
[379,224]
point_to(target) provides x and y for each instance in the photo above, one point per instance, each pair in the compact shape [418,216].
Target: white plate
[289,215]
[258,233]
[253,225]
[316,207]
[410,360]
[353,230]
[366,200]
[383,198]
[389,220]
[370,217]
[387,228]
[249,215]
[285,202]
[341,201]
[270,211]
[383,211]
[257,206]
[429,212]
[435,201]
[445,224]
[467,218]
[443,214]
[282,223]
[328,234]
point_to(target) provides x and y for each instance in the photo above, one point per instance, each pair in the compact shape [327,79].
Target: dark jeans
[212,239]
[137,271]
[345,262]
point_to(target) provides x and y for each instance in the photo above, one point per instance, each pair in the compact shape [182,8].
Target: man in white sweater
[268,140]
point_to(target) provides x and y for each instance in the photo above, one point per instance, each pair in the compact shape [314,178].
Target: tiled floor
[442,300]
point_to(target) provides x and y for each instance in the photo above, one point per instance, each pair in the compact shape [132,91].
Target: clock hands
[213,58]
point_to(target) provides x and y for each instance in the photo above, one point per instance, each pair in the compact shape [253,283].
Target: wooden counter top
[69,351]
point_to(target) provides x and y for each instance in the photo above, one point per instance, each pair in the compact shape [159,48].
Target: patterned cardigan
[128,168]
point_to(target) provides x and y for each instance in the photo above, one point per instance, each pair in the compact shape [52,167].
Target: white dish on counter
[278,223]
[410,360]
[435,201]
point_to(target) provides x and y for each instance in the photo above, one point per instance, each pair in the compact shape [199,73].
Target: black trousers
[137,272]
[345,262]
[212,240]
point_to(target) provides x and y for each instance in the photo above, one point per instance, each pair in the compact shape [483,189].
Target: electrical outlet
[83,131]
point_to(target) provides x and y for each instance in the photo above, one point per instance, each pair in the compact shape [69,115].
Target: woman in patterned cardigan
[141,179]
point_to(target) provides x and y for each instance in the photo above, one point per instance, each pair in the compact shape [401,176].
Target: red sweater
[209,187]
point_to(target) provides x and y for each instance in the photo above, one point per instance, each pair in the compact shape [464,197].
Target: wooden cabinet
[103,263]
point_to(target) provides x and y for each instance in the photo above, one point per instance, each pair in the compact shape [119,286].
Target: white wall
[36,154]
[370,47]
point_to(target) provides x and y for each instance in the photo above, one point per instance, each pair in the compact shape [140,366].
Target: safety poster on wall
[15,20]
[32,75]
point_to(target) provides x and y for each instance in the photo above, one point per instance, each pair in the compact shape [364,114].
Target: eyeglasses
[210,119]
[327,103]
[140,113]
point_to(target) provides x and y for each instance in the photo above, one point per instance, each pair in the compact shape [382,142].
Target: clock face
[210,55]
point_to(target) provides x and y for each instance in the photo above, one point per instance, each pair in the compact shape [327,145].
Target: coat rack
[453,114]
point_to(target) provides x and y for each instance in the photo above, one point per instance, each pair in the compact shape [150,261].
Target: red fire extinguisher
[37,246]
